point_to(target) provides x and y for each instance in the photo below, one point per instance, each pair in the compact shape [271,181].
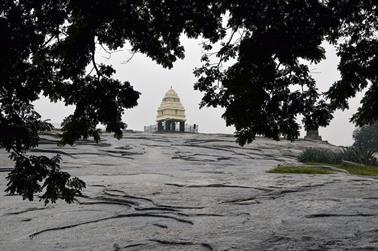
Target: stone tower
[313,135]
[171,113]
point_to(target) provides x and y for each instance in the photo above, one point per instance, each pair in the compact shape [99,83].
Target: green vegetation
[354,160]
[359,155]
[321,155]
[366,137]
[358,159]
[300,170]
[318,168]
[48,46]
[354,154]
[359,170]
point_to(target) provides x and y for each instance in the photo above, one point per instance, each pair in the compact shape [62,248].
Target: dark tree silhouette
[48,44]
[267,85]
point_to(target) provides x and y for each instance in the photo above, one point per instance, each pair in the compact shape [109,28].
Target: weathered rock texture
[192,192]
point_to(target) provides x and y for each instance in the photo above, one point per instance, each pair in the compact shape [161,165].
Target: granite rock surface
[192,192]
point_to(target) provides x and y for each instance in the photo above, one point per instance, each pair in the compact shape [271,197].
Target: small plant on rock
[320,155]
[360,155]
[353,154]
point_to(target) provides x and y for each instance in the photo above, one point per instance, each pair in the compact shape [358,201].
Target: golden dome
[171,107]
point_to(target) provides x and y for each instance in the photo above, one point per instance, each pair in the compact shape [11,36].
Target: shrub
[360,155]
[354,154]
[320,155]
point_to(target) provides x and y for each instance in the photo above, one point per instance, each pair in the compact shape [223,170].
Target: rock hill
[192,192]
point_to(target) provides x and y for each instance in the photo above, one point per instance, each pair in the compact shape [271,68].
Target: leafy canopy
[366,137]
[49,44]
[267,85]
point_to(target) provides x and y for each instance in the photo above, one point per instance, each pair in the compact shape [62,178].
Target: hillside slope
[192,192]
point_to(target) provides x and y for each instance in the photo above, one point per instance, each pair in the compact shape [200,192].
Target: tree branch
[95,65]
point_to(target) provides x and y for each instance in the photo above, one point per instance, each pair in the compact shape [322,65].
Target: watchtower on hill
[171,116]
[171,113]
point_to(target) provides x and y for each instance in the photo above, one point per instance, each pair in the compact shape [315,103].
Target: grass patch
[300,170]
[316,168]
[359,170]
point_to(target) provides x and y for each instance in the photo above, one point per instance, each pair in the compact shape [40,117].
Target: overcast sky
[153,81]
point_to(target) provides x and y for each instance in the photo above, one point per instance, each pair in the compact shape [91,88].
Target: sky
[153,81]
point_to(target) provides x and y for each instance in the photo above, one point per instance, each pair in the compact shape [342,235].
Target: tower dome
[171,108]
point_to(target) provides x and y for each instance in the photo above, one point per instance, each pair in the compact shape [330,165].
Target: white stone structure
[171,116]
[171,108]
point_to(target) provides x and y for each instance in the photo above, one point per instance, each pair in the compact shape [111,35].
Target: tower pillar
[160,126]
[182,126]
[168,125]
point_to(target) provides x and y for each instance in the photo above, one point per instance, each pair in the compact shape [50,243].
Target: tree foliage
[268,84]
[258,75]
[48,45]
[366,137]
